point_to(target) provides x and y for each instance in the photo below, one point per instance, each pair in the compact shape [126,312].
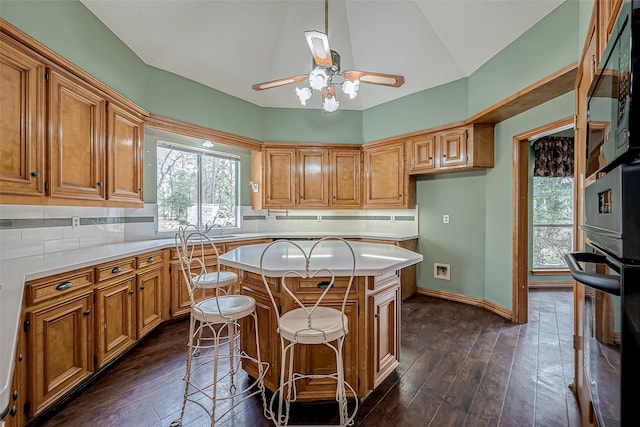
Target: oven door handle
[603,282]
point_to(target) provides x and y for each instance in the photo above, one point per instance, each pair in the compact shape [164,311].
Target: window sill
[550,272]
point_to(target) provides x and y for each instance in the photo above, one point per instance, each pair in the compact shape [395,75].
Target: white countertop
[15,272]
[372,259]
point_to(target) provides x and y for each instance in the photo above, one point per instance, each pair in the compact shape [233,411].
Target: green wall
[477,242]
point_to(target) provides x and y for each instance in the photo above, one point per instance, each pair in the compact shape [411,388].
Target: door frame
[520,302]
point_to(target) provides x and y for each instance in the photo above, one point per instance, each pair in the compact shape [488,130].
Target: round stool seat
[223,308]
[215,279]
[326,325]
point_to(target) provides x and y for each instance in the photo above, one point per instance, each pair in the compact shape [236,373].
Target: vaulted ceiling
[231,44]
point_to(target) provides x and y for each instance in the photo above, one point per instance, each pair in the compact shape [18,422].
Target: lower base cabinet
[60,349]
[115,325]
[148,301]
[385,331]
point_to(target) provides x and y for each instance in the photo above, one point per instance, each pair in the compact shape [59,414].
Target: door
[279,178]
[453,148]
[313,177]
[149,301]
[115,323]
[21,122]
[60,349]
[124,151]
[76,140]
[345,178]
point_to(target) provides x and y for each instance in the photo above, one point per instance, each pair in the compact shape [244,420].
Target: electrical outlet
[270,218]
[445,219]
[75,222]
[393,218]
[319,218]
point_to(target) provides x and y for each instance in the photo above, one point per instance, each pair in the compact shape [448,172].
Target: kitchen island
[371,348]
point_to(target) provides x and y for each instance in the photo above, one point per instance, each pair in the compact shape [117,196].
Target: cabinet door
[115,324]
[180,301]
[385,338]
[313,177]
[149,301]
[453,148]
[21,122]
[384,176]
[16,416]
[279,177]
[345,178]
[60,349]
[269,339]
[124,155]
[423,152]
[76,140]
[321,360]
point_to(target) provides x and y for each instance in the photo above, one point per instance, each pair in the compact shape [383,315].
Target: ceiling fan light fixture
[350,88]
[303,94]
[330,104]
[318,78]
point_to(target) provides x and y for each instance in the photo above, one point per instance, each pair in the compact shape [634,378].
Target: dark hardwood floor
[460,366]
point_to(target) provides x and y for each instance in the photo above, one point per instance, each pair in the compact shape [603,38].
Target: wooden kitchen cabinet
[115,318]
[451,149]
[385,181]
[21,122]
[124,154]
[313,177]
[18,397]
[148,301]
[279,180]
[385,331]
[345,167]
[60,349]
[66,137]
[77,138]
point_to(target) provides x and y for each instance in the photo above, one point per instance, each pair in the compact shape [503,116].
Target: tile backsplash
[34,230]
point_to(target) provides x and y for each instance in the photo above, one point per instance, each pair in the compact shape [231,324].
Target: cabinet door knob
[399,196]
[131,292]
[151,259]
[444,155]
[377,316]
[86,312]
[266,196]
[64,285]
[100,183]
[142,288]
[430,157]
[35,174]
[15,395]
[116,270]
[14,410]
[139,189]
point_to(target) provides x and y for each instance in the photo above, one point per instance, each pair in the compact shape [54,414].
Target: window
[552,221]
[196,187]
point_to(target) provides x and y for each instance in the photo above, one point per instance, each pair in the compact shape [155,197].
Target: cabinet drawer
[52,287]
[150,259]
[114,269]
[316,285]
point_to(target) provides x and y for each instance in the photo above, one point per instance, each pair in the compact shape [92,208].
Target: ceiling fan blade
[319,45]
[279,82]
[375,78]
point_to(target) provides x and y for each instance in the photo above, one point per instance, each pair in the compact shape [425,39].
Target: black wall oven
[609,265]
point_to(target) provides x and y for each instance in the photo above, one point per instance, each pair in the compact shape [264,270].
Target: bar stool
[309,322]
[219,318]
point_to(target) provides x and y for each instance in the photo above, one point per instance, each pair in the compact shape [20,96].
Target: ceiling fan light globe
[350,88]
[303,94]
[318,78]
[330,104]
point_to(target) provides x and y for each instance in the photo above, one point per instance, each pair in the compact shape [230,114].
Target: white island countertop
[372,259]
[15,272]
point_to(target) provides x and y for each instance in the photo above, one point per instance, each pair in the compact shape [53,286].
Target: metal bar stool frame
[219,317]
[310,323]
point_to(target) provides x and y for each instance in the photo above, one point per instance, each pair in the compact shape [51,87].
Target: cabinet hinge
[358,310]
[577,342]
[575,121]
[26,408]
[26,325]
[46,76]
[170,314]
[106,106]
[46,186]
[95,361]
[94,298]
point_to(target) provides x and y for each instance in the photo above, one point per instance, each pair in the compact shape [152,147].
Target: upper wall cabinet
[385,182]
[21,121]
[65,138]
[460,148]
[311,177]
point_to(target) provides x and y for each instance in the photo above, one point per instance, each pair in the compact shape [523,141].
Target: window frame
[200,153]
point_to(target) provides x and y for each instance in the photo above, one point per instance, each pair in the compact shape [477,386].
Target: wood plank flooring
[460,366]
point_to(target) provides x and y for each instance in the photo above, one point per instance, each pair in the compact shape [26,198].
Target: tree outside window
[197,188]
[552,221]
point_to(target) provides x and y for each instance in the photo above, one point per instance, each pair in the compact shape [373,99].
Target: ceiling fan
[326,74]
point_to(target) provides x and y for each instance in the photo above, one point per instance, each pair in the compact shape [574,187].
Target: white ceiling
[231,44]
